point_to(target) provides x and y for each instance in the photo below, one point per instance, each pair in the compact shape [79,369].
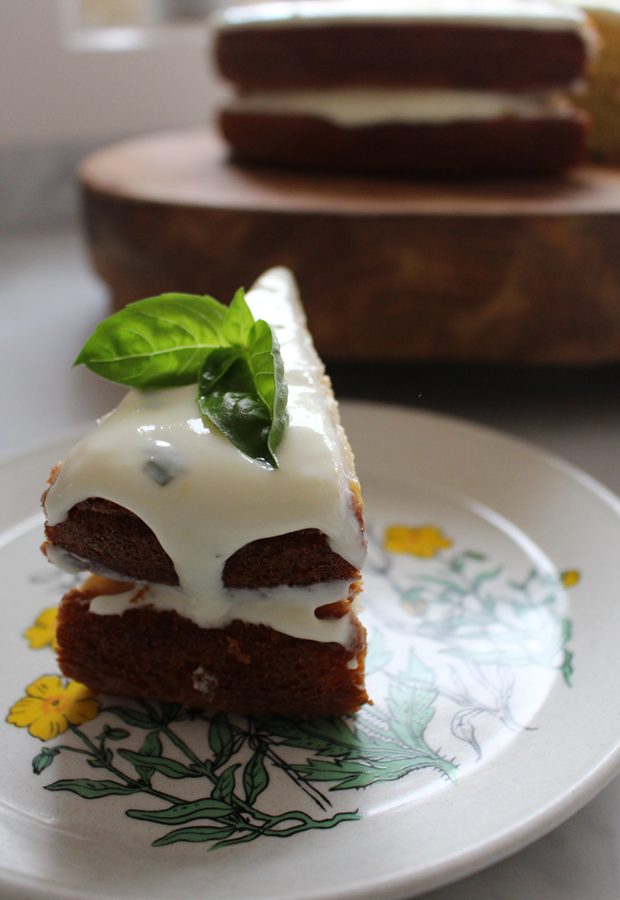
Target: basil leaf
[238,321]
[268,373]
[242,391]
[177,339]
[157,342]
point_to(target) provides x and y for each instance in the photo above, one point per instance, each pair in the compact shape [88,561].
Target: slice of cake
[453,88]
[600,96]
[221,580]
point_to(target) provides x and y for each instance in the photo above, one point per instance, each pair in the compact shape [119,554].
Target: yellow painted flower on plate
[424,541]
[570,578]
[43,632]
[52,704]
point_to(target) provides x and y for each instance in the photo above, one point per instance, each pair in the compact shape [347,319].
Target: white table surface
[51,301]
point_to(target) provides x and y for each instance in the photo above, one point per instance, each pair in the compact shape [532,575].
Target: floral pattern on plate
[451,637]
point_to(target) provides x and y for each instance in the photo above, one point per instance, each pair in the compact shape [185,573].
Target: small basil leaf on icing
[268,372]
[155,343]
[242,391]
[238,321]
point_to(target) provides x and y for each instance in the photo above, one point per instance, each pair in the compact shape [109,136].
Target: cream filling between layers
[353,107]
[217,500]
[288,610]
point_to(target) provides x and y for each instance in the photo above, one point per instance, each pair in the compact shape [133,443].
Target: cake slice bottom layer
[242,668]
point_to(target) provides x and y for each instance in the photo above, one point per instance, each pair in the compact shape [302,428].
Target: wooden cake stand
[511,271]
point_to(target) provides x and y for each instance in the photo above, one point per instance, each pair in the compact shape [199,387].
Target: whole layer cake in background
[600,95]
[447,88]
[219,582]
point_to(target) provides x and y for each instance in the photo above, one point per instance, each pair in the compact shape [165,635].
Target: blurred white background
[75,75]
[98,69]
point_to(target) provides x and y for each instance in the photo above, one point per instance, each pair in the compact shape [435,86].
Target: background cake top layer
[535,15]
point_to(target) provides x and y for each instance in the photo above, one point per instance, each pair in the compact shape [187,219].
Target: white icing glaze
[534,14]
[218,499]
[66,562]
[369,106]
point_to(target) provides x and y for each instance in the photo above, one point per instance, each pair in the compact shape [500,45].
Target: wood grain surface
[507,271]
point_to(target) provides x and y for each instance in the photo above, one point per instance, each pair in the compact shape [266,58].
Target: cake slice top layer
[202,497]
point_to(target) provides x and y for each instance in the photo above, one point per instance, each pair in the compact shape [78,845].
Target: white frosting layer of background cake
[535,15]
[371,106]
[219,499]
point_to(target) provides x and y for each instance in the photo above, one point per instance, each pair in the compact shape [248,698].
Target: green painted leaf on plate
[43,759]
[255,777]
[168,767]
[132,717]
[224,788]
[90,789]
[184,812]
[199,834]
[221,739]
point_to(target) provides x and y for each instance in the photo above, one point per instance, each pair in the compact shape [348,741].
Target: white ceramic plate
[494,623]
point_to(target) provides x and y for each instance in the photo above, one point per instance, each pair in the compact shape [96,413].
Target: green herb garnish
[177,339]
